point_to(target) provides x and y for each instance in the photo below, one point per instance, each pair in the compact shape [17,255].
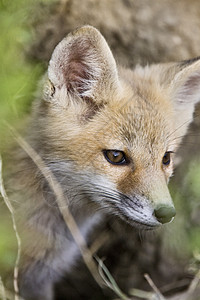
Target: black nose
[164,213]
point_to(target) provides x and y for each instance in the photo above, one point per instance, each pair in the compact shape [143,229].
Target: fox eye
[166,158]
[115,157]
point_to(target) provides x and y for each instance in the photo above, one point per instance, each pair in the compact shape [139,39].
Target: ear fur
[185,86]
[82,64]
[185,93]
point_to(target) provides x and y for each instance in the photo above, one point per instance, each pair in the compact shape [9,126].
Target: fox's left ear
[185,92]
[82,65]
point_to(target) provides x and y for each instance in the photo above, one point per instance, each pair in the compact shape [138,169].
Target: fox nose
[164,213]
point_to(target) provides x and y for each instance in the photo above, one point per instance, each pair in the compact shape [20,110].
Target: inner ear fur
[82,64]
[185,86]
[185,93]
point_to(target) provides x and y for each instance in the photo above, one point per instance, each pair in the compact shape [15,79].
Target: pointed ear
[185,93]
[186,83]
[82,64]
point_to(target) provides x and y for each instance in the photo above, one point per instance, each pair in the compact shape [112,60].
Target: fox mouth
[140,217]
[134,210]
[140,224]
[149,224]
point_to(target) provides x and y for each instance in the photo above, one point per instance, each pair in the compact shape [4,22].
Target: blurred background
[18,80]
[138,31]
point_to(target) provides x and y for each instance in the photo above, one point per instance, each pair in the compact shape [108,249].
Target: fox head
[113,131]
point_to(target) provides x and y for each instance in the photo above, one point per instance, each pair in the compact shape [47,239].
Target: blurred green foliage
[8,243]
[184,232]
[192,196]
[18,76]
[18,82]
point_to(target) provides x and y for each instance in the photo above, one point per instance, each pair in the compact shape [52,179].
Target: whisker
[180,137]
[185,143]
[179,127]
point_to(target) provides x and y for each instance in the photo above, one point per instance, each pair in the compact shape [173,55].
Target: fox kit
[108,135]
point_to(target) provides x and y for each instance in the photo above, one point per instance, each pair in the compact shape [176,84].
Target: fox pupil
[115,157]
[166,158]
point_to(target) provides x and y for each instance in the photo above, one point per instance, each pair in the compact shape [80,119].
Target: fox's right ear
[82,65]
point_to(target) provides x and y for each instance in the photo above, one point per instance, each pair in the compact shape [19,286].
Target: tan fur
[90,105]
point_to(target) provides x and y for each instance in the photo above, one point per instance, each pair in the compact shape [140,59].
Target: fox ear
[185,93]
[82,64]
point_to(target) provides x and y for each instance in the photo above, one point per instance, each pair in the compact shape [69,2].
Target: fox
[108,135]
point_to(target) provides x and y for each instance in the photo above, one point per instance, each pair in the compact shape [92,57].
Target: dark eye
[166,158]
[115,157]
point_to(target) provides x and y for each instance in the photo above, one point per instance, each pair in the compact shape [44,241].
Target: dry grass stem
[109,280]
[142,294]
[5,294]
[2,290]
[62,204]
[180,284]
[10,208]
[194,284]
[153,286]
[101,240]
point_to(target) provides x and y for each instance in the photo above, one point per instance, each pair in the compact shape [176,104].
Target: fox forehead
[142,114]
[140,122]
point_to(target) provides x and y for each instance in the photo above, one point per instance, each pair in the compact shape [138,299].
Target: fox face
[112,131]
